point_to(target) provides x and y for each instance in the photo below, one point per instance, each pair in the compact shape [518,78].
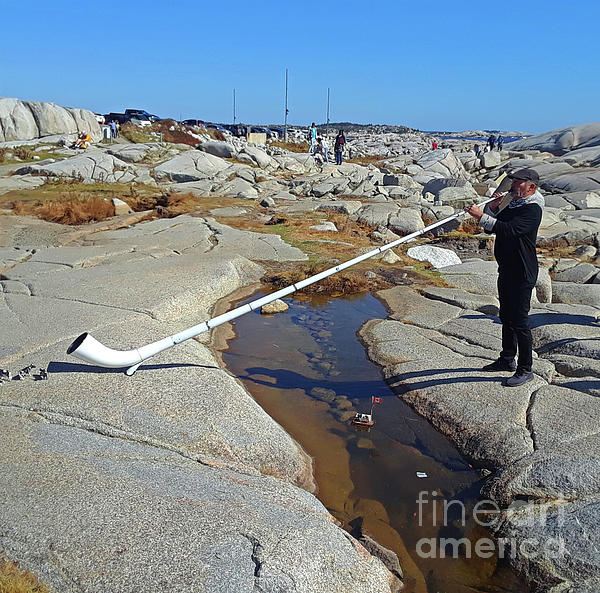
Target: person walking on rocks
[113,129]
[325,147]
[499,141]
[318,153]
[338,147]
[491,142]
[312,135]
[516,229]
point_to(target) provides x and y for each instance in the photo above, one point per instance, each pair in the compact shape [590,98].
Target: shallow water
[368,476]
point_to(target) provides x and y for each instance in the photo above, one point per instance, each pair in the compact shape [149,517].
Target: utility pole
[327,128]
[234,106]
[285,134]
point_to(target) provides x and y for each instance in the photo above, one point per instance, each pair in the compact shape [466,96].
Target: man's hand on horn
[475,211]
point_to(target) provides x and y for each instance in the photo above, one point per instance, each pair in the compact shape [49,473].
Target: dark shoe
[501,365]
[519,378]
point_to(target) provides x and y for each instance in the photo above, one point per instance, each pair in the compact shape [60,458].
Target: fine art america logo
[436,511]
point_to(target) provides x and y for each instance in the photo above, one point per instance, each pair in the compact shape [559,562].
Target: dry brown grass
[75,207]
[366,160]
[70,201]
[15,580]
[427,220]
[76,212]
[292,146]
[555,245]
[216,135]
[167,129]
[346,282]
[295,230]
[470,226]
[179,135]
[136,134]
[171,205]
[25,153]
[168,205]
[234,160]
[559,248]
[392,170]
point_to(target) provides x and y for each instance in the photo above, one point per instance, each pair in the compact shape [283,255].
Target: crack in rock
[12,311]
[213,238]
[528,419]
[74,300]
[108,430]
[264,240]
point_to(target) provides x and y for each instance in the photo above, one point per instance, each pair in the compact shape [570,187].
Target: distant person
[434,145]
[113,129]
[83,140]
[477,150]
[500,141]
[312,136]
[325,148]
[338,147]
[319,146]
[491,141]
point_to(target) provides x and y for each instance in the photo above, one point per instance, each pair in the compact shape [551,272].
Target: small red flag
[376,400]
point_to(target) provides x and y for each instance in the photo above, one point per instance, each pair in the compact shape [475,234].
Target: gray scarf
[534,198]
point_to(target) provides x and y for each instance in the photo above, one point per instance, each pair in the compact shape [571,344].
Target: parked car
[211,126]
[194,122]
[117,117]
[264,130]
[147,116]
[236,129]
[139,119]
[279,131]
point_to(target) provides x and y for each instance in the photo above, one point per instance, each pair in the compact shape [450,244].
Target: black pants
[515,299]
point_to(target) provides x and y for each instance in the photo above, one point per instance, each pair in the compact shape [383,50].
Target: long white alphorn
[88,349]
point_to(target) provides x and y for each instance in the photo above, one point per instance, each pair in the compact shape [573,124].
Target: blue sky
[433,65]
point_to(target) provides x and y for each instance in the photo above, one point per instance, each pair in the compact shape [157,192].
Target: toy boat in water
[364,420]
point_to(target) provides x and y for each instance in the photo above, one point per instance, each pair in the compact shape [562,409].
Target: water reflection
[308,370]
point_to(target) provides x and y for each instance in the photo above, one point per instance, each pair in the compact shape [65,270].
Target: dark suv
[236,129]
[136,113]
[211,126]
[194,122]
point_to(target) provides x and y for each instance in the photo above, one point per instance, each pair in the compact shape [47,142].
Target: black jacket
[514,248]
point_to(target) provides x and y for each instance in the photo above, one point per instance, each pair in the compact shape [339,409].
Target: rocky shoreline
[133,471]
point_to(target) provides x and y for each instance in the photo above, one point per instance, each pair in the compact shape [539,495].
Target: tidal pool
[309,371]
